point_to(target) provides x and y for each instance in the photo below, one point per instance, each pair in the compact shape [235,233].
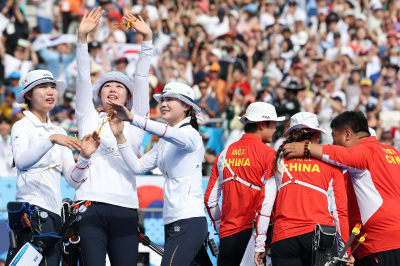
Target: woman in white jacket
[41,152]
[179,155]
[111,223]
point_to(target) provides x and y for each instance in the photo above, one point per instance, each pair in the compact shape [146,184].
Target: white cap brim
[110,77]
[248,119]
[60,86]
[178,96]
[301,126]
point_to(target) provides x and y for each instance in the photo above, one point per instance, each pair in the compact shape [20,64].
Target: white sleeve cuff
[138,121]
[147,47]
[82,162]
[260,243]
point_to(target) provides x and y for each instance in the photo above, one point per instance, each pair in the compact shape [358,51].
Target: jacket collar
[368,140]
[186,120]
[249,136]
[35,120]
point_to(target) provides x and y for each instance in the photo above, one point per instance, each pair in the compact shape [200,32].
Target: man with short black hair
[238,172]
[374,169]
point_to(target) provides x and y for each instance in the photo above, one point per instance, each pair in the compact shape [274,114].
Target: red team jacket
[374,169]
[298,208]
[248,158]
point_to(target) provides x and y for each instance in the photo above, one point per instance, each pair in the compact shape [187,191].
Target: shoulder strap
[298,181]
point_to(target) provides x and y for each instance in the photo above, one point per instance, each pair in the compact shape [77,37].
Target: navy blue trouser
[109,228]
[183,240]
[52,224]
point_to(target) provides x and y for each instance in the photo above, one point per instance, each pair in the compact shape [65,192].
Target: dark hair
[252,127]
[27,101]
[36,29]
[4,119]
[9,94]
[295,136]
[193,119]
[353,120]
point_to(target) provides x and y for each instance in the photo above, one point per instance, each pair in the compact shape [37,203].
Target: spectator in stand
[154,105]
[217,84]
[6,156]
[45,10]
[209,155]
[60,112]
[388,76]
[22,59]
[208,104]
[387,138]
[58,60]
[329,104]
[14,85]
[360,102]
[69,10]
[7,106]
[237,79]
[121,65]
[17,27]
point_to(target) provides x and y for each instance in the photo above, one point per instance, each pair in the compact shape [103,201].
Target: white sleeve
[25,156]
[173,135]
[268,194]
[74,173]
[139,166]
[84,108]
[141,86]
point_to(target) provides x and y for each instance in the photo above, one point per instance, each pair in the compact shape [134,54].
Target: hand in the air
[90,144]
[90,21]
[140,26]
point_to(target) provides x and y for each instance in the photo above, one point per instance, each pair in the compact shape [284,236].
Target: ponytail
[193,119]
[295,136]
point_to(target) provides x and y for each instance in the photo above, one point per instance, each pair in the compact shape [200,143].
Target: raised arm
[141,86]
[187,142]
[84,91]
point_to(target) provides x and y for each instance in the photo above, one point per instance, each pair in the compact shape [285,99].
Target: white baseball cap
[113,76]
[260,111]
[303,120]
[179,91]
[37,77]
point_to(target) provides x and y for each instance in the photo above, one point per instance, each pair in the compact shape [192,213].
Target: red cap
[116,15]
[392,33]
[203,6]
[298,65]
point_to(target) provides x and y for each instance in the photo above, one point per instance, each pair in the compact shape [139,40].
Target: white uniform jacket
[39,163]
[179,155]
[112,181]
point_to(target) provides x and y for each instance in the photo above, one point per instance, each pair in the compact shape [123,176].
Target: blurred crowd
[320,56]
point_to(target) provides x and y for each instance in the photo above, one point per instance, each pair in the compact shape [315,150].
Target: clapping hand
[90,144]
[120,111]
